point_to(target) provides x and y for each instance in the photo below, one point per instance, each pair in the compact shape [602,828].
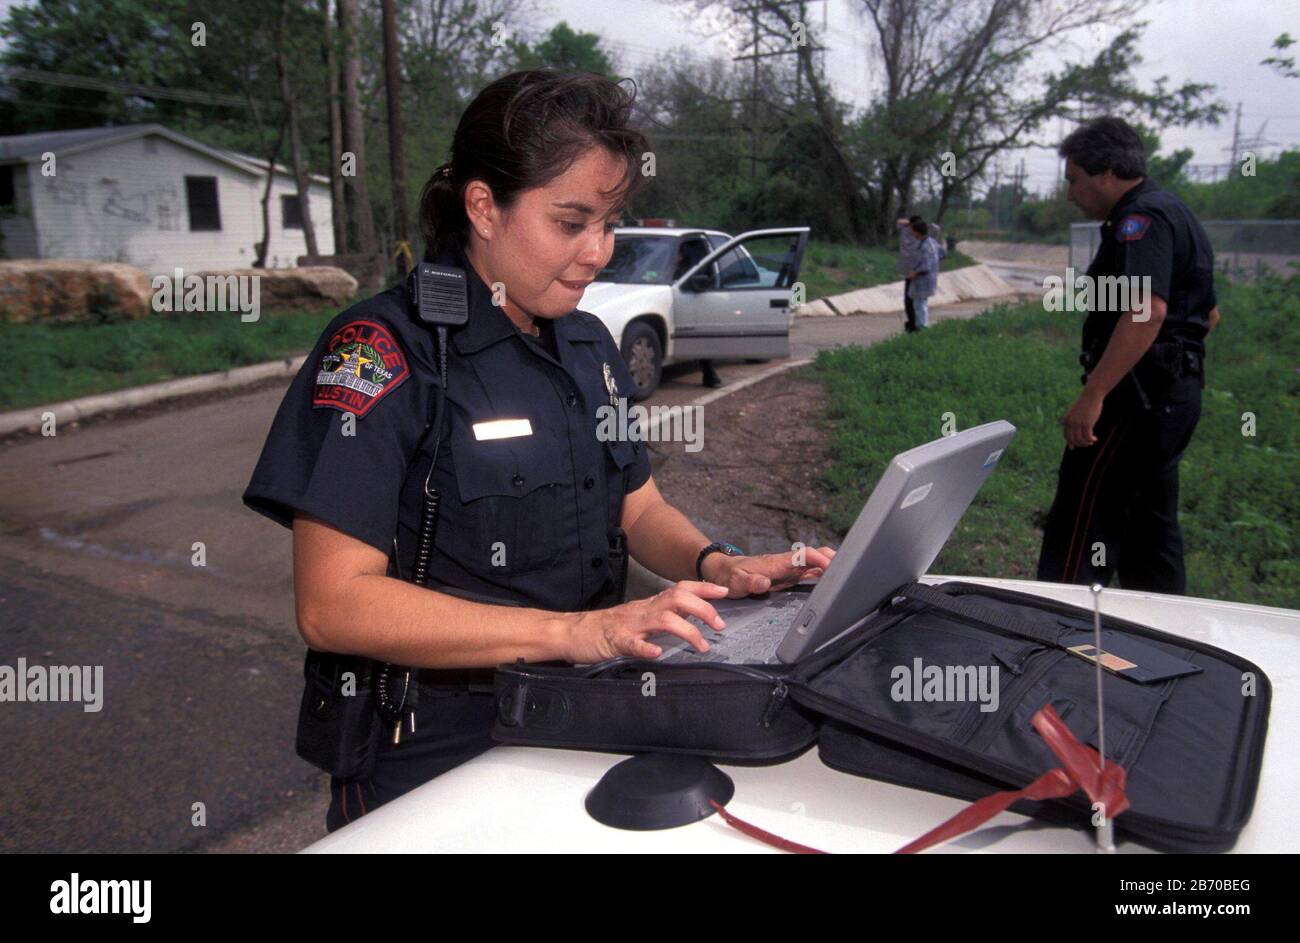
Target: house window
[201,198]
[290,212]
[7,185]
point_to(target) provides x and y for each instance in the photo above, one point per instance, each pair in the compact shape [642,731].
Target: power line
[65,80]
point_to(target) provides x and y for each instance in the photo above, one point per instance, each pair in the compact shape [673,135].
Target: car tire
[644,355]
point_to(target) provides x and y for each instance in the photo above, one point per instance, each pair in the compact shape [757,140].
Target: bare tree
[264,244]
[962,83]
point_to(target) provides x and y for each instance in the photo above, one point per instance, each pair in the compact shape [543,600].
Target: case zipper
[774,703]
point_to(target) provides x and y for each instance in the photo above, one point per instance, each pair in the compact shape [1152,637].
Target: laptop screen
[898,533]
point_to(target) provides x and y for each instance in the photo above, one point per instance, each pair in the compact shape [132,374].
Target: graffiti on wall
[156,204]
[66,193]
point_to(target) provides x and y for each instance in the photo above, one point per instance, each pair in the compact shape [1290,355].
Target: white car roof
[529,799]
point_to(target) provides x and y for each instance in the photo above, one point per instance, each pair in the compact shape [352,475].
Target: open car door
[735,302]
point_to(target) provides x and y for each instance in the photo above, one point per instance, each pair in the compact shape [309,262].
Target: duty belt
[1175,358]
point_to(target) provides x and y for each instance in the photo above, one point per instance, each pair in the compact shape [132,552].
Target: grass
[70,360]
[1240,504]
[81,359]
[834,268]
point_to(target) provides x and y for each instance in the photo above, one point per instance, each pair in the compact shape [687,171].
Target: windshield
[640,260]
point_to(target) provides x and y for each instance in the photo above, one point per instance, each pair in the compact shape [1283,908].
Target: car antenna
[1105,825]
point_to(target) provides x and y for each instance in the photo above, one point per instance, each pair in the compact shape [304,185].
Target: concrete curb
[642,582]
[972,283]
[657,419]
[76,409]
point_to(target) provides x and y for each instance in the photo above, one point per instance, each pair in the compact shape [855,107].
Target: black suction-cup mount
[658,790]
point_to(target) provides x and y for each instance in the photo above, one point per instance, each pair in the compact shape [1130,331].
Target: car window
[640,260]
[689,251]
[736,267]
[755,263]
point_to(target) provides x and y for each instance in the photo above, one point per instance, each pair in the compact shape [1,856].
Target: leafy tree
[563,48]
[1285,65]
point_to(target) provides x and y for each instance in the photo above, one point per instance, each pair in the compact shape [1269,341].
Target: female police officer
[542,163]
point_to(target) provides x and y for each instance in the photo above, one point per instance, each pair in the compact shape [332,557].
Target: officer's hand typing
[744,576]
[621,630]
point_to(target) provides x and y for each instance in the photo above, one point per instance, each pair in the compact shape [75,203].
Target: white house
[149,197]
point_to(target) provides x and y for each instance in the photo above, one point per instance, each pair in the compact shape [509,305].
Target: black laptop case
[1192,745]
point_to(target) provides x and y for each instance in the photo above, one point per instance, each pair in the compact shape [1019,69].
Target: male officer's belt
[1175,358]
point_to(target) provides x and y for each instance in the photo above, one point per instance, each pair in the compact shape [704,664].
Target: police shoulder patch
[1132,227]
[361,365]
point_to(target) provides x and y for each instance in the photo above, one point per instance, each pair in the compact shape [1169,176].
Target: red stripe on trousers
[1084,501]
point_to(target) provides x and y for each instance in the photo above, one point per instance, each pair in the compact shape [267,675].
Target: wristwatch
[718,546]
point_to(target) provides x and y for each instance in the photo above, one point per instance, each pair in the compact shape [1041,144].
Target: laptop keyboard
[756,642]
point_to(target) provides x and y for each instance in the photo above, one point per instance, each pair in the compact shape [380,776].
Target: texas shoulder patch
[1133,227]
[361,365]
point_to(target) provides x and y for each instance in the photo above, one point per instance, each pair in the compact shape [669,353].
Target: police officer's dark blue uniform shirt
[526,517]
[1150,232]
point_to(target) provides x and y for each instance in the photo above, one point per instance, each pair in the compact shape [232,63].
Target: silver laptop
[898,533]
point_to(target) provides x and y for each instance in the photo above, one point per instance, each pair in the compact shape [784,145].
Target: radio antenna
[1105,828]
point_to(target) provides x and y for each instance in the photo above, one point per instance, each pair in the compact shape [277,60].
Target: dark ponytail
[521,132]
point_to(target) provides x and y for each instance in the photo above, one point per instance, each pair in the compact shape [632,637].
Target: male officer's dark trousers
[910,325]
[1116,506]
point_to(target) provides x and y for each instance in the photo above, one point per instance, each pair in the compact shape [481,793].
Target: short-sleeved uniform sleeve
[1146,246]
[637,473]
[343,439]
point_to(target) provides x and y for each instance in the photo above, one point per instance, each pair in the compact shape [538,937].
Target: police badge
[611,386]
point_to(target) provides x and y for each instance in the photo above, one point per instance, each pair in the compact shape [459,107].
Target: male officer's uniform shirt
[525,518]
[1151,232]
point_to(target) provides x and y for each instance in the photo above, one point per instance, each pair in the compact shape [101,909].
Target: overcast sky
[1216,41]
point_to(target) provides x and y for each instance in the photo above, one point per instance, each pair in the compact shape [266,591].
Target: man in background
[908,243]
[923,279]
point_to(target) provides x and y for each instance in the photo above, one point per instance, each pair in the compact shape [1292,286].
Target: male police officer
[1116,506]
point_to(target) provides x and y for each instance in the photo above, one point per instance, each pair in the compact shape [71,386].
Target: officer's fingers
[820,557]
[684,602]
[669,621]
[638,647]
[745,581]
[702,588]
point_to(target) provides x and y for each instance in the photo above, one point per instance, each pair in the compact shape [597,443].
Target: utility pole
[997,196]
[753,102]
[754,11]
[1235,157]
